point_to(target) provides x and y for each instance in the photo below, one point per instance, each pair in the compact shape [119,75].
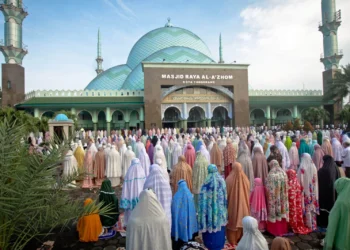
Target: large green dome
[162,38]
[168,43]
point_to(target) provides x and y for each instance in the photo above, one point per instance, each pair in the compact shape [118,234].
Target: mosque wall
[233,77]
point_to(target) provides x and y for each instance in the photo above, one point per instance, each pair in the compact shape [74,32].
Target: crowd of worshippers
[226,186]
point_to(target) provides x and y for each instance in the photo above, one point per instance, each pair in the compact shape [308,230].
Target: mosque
[170,79]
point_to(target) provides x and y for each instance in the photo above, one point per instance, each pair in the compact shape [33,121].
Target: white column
[184,111]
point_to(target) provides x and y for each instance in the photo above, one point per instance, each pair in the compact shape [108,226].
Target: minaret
[12,48]
[99,59]
[221,59]
[13,74]
[331,20]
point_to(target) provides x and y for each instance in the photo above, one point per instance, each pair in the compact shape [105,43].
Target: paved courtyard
[68,239]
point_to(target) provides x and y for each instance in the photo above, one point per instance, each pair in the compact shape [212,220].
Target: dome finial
[168,24]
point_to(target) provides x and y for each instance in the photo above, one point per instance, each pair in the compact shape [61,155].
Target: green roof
[79,101]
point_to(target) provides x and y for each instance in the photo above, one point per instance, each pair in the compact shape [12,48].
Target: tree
[296,124]
[288,126]
[32,201]
[22,118]
[315,115]
[340,85]
[308,127]
[344,116]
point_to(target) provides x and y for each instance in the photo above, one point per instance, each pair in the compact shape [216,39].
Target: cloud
[116,10]
[126,9]
[282,43]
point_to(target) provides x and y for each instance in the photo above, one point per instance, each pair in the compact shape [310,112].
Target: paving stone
[97,248]
[122,241]
[315,243]
[304,246]
[305,237]
[110,248]
[314,235]
[113,242]
[294,238]
[99,243]
[269,240]
[294,247]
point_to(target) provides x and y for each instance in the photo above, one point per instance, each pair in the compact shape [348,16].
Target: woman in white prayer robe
[127,158]
[113,169]
[148,226]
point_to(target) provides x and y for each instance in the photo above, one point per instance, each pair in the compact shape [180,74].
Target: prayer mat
[110,234]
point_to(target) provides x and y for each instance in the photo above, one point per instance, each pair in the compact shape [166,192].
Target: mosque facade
[170,79]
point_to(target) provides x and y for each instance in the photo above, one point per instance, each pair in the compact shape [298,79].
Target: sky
[278,38]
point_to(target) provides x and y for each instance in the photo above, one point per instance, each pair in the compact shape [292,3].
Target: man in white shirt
[346,157]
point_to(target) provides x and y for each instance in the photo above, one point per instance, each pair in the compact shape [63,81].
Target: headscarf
[317,158]
[184,223]
[161,187]
[144,160]
[303,148]
[259,162]
[181,171]
[108,197]
[177,152]
[89,226]
[280,243]
[307,176]
[327,176]
[204,152]
[288,143]
[216,156]
[277,193]
[295,211]
[229,157]
[327,147]
[247,165]
[99,165]
[294,156]
[190,154]
[148,227]
[252,238]
[238,190]
[337,149]
[133,185]
[312,147]
[338,230]
[212,211]
[199,173]
[79,155]
[159,154]
[257,201]
[129,155]
[284,153]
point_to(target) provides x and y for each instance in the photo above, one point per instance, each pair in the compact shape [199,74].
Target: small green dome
[61,118]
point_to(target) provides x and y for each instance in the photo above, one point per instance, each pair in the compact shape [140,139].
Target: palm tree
[32,202]
[315,115]
[344,116]
[340,87]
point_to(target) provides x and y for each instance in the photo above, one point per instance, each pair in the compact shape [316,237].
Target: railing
[13,43]
[83,93]
[336,18]
[21,4]
[283,92]
[338,53]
